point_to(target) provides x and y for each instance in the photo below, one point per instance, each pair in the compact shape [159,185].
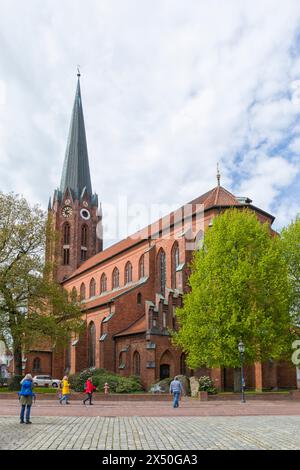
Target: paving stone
[243,432]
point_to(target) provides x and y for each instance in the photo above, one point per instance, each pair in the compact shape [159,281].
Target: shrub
[3,381]
[100,379]
[77,381]
[117,384]
[14,383]
[129,385]
[206,384]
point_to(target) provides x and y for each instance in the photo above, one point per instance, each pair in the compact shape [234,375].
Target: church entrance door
[164,371]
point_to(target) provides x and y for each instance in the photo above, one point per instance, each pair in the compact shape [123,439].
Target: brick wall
[45,363]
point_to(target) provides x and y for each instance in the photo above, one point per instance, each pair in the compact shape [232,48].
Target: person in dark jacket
[89,389]
[25,396]
[176,389]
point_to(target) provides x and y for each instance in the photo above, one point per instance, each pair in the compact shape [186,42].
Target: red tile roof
[217,196]
[139,326]
[106,254]
[110,296]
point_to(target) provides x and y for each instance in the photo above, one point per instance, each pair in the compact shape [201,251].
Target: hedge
[117,384]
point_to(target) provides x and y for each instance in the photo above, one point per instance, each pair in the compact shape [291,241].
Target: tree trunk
[18,361]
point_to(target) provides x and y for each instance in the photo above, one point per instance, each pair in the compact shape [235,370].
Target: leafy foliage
[240,288]
[117,384]
[33,308]
[290,237]
[206,384]
[14,383]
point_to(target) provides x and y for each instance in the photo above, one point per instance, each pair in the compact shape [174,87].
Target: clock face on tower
[85,214]
[67,211]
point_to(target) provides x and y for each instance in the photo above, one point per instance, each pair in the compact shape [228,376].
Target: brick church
[129,291]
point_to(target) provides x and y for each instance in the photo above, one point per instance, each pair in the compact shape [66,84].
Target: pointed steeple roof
[76,171]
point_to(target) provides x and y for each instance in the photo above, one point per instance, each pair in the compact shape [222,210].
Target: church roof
[76,171]
[216,197]
[139,326]
[112,295]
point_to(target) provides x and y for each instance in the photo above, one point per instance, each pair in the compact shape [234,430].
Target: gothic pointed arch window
[66,256]
[91,344]
[161,264]
[36,367]
[142,267]
[115,278]
[82,291]
[183,364]
[74,294]
[66,233]
[92,288]
[137,364]
[84,235]
[103,283]
[174,263]
[128,272]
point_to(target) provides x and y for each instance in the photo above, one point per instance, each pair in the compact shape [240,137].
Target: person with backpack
[89,389]
[26,395]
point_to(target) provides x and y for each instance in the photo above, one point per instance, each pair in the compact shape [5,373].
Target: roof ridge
[217,193]
[208,199]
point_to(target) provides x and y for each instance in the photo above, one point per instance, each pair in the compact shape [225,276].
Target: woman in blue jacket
[25,396]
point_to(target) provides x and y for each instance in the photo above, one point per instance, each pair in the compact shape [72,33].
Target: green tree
[33,308]
[239,289]
[290,237]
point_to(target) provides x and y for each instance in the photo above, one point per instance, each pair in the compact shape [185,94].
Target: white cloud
[295,145]
[268,177]
[169,88]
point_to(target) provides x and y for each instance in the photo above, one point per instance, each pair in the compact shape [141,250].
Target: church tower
[74,210]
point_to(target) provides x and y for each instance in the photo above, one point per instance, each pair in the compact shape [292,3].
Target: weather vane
[78,71]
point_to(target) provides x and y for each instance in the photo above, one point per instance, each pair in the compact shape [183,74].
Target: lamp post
[241,348]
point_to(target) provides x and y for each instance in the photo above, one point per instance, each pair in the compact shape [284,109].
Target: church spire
[76,171]
[218,174]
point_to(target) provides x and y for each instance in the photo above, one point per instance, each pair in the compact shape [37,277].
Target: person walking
[89,389]
[65,391]
[176,389]
[26,395]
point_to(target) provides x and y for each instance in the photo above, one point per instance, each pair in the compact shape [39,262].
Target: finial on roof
[78,71]
[218,174]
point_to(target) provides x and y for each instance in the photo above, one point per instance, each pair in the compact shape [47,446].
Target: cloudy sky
[169,88]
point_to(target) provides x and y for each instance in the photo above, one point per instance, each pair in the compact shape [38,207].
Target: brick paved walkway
[152,433]
[188,407]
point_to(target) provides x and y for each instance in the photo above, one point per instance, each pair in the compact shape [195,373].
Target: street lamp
[241,348]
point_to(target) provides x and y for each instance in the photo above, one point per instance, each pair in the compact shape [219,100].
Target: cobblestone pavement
[151,433]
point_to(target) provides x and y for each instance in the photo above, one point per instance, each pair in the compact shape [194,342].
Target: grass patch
[35,389]
[253,392]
